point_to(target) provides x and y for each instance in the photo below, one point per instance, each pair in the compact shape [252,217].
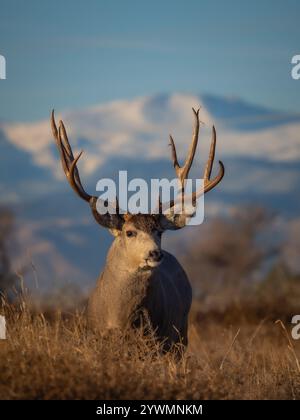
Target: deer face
[141,241]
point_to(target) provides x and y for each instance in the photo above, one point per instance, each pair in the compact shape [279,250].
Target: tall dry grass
[236,350]
[57,357]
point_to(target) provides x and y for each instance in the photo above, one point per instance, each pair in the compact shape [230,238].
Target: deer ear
[108,220]
[172,221]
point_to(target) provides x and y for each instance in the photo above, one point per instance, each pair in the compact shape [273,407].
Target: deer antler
[69,164]
[178,221]
[67,158]
[182,172]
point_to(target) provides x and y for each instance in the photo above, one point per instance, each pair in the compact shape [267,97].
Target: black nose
[156,255]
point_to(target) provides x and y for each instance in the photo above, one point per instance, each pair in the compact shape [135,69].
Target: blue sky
[70,54]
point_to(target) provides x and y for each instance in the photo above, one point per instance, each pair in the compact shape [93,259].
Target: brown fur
[145,222]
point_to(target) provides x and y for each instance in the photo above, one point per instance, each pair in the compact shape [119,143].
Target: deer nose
[155,255]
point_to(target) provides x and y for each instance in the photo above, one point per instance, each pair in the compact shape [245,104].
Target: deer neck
[124,286]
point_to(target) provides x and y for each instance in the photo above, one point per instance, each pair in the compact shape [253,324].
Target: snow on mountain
[140,128]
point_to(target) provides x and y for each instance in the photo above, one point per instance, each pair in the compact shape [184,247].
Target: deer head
[140,234]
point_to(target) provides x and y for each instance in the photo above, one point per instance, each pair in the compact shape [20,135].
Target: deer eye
[130,233]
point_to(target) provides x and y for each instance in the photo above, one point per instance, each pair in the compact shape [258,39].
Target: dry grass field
[236,349]
[56,357]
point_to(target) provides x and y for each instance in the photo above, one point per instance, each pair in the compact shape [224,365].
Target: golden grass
[59,358]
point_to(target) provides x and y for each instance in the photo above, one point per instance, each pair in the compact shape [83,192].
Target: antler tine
[174,155]
[68,152]
[190,157]
[67,158]
[53,126]
[208,183]
[211,156]
[60,146]
[212,183]
[63,134]
[73,174]
[183,172]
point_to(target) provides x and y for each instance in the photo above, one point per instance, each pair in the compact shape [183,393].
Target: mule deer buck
[139,277]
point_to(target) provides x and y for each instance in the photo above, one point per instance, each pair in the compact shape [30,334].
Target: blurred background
[123,75]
